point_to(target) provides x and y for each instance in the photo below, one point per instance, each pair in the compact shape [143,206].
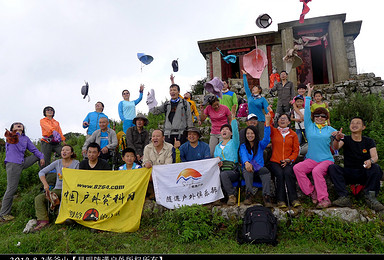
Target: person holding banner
[226,150]
[68,161]
[158,152]
[251,156]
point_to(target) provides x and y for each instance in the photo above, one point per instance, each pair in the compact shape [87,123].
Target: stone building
[328,58]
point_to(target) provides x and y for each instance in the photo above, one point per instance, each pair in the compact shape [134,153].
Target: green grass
[163,234]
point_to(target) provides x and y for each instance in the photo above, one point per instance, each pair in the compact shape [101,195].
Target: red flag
[304,11]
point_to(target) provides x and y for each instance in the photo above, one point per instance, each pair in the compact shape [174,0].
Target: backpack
[243,110]
[259,226]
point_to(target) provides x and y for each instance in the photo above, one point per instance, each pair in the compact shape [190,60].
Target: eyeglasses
[126,93]
[320,115]
[49,109]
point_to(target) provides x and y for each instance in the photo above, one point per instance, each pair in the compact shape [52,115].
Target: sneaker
[40,225]
[231,200]
[342,201]
[248,199]
[5,218]
[267,201]
[325,203]
[296,203]
[372,202]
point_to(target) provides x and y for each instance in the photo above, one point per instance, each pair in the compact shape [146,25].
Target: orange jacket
[48,126]
[283,148]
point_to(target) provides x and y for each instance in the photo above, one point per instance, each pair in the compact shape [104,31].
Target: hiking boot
[372,202]
[296,203]
[248,199]
[216,203]
[40,225]
[281,205]
[342,201]
[5,218]
[325,203]
[231,200]
[267,201]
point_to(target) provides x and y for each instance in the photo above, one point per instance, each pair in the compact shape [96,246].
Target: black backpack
[259,226]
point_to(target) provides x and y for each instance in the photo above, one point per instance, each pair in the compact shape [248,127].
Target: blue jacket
[255,105]
[93,120]
[245,156]
[319,140]
[229,153]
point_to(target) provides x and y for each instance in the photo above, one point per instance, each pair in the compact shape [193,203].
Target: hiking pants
[370,178]
[265,177]
[13,177]
[285,179]
[319,170]
[226,178]
[41,205]
[47,149]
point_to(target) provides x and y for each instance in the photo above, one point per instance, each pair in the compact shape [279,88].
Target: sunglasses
[320,115]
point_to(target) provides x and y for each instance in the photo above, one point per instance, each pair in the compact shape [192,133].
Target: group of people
[241,152]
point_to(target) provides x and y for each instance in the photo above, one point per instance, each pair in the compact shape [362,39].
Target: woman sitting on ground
[68,161]
[251,155]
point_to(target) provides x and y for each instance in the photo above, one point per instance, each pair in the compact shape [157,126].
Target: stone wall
[365,83]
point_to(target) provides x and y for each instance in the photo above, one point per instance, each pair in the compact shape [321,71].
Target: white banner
[187,183]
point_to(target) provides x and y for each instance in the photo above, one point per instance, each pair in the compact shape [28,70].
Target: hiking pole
[289,214]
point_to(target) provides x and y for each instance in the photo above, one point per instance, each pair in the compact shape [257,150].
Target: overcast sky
[48,48]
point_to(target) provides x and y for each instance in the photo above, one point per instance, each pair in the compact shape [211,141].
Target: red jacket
[284,147]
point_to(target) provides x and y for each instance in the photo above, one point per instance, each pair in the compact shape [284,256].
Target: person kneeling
[360,157]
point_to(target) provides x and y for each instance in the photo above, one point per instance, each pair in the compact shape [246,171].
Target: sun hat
[84,91]
[255,61]
[141,116]
[214,86]
[194,129]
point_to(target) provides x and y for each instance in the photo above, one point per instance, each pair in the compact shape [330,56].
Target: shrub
[190,223]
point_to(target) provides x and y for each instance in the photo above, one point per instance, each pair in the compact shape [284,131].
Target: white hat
[250,116]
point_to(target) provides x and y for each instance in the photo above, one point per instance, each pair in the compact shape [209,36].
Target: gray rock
[346,214]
